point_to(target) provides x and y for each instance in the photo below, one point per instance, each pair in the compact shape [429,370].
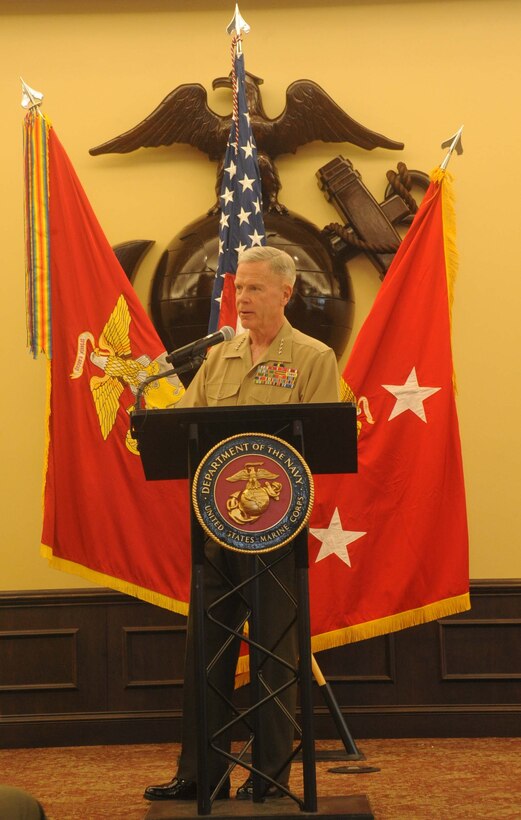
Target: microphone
[199,347]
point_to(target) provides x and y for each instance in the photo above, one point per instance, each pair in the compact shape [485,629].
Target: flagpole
[241,224]
[352,751]
[235,28]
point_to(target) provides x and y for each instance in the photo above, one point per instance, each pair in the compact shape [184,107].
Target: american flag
[240,200]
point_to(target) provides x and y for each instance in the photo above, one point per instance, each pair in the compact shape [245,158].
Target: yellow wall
[412,70]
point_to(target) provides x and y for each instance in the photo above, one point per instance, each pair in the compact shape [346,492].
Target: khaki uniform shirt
[295,369]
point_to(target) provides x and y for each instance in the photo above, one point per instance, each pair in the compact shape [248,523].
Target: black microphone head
[227,332]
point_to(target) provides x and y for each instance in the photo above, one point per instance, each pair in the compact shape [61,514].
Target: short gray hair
[279,261]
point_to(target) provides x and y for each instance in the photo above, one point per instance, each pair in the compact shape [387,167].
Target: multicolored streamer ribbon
[37,233]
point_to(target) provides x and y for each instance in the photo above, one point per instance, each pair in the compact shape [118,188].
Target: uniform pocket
[219,392]
[271,394]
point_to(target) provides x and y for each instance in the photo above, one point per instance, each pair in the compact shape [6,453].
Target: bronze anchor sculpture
[369,225]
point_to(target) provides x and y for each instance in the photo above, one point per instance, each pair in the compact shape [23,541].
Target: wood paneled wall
[95,667]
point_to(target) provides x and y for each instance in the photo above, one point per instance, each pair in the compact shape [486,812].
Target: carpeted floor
[418,779]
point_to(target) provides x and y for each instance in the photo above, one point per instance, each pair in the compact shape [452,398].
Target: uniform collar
[280,350]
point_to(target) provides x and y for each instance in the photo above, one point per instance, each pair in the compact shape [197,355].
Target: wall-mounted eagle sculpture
[185,117]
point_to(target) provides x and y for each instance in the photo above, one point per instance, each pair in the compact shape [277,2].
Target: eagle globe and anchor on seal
[322,304]
[249,504]
[272,505]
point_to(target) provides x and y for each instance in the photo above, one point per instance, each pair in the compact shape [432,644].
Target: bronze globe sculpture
[322,304]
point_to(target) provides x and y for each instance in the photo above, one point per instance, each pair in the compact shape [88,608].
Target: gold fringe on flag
[37,233]
[373,629]
[126,587]
[393,623]
[445,179]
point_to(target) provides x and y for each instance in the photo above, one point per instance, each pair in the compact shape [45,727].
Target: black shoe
[245,792]
[179,789]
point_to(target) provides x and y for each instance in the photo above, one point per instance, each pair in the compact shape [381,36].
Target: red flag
[389,545]
[102,519]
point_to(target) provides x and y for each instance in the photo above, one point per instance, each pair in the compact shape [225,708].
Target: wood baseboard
[95,667]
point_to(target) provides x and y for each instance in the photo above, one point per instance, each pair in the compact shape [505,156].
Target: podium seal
[253,492]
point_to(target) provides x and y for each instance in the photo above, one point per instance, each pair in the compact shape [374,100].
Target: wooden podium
[172,443]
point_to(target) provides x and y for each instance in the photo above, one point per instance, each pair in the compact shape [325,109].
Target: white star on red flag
[335,539]
[410,396]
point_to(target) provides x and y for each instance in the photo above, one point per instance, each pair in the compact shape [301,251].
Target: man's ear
[287,290]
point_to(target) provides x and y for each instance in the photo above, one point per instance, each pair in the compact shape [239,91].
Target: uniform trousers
[277,630]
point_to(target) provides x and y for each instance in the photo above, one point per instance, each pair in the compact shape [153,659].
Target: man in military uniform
[270,363]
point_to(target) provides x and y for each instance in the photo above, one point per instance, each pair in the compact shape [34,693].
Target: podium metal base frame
[350,807]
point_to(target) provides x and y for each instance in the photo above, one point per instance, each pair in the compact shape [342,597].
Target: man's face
[260,297]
